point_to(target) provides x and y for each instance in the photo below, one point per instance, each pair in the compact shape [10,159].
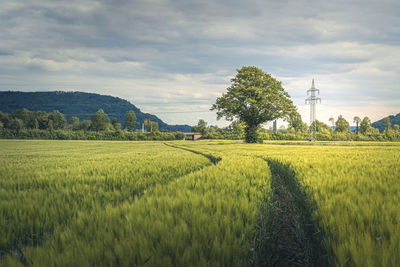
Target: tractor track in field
[286,234]
[214,160]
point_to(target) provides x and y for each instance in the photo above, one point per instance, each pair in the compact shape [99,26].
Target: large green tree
[100,121]
[342,125]
[254,97]
[130,120]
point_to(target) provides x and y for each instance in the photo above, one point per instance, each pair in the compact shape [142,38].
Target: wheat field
[179,203]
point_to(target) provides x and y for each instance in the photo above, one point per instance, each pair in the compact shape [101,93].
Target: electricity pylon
[312,100]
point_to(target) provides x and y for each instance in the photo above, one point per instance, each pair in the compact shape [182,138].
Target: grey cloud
[142,44]
[5,53]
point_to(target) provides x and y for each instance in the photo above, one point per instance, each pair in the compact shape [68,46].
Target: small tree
[201,127]
[117,126]
[15,124]
[50,125]
[58,119]
[388,130]
[237,128]
[4,118]
[85,125]
[74,123]
[42,119]
[357,120]
[24,115]
[130,120]
[100,121]
[254,98]
[342,125]
[35,124]
[154,126]
[365,125]
[296,122]
[319,126]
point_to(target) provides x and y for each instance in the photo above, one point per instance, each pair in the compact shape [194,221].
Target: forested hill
[381,124]
[79,104]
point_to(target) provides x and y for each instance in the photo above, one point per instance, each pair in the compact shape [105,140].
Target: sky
[173,58]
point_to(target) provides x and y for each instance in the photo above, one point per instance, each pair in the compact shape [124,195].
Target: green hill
[381,124]
[79,104]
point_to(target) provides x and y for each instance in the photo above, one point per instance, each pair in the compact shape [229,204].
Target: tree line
[340,130]
[24,123]
[299,130]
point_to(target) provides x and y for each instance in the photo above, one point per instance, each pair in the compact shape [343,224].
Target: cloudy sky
[174,57]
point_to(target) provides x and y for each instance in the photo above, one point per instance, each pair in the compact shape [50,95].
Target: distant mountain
[352,128]
[79,104]
[381,125]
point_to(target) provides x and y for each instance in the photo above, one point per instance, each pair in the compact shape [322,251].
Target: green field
[204,203]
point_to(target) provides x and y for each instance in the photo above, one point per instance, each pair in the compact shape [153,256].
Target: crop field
[203,203]
[355,191]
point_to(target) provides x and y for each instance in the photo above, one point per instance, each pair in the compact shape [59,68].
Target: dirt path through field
[286,235]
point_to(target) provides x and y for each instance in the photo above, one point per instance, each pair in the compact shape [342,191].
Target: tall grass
[46,185]
[206,217]
[123,203]
[355,190]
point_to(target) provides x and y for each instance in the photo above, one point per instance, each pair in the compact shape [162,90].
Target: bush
[88,135]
